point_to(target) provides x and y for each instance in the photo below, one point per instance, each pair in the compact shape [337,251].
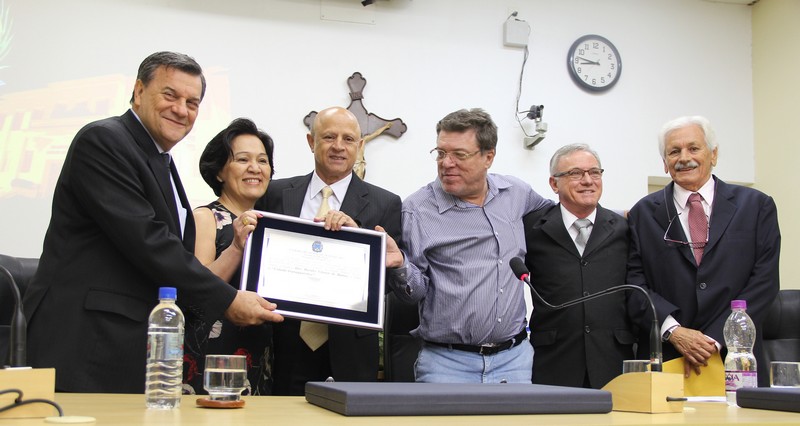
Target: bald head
[335,140]
[334,111]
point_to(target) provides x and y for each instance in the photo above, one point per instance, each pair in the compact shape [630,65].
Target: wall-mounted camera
[535,114]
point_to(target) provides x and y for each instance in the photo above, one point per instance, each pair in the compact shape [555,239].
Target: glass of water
[224,377]
[784,375]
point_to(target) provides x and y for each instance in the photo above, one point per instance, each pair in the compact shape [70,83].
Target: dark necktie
[698,226]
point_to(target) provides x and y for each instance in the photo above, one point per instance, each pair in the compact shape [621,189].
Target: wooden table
[119,409]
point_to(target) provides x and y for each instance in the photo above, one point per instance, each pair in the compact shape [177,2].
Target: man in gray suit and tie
[575,249]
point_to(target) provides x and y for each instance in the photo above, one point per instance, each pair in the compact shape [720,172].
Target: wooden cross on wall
[371,125]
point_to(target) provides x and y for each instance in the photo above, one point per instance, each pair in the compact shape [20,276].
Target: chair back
[400,348]
[22,270]
[781,330]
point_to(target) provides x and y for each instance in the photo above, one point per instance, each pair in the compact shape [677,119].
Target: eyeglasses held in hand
[577,174]
[440,154]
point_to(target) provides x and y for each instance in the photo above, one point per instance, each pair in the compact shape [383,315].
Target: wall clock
[594,63]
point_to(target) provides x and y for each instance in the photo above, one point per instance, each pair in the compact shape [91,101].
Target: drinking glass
[225,376]
[635,366]
[784,374]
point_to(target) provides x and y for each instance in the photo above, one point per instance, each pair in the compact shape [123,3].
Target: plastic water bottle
[740,363]
[163,381]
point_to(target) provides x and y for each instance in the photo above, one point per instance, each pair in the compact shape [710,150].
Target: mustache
[687,165]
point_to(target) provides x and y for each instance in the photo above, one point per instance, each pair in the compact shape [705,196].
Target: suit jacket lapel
[292,197]
[602,229]
[721,214]
[553,225]
[356,198]
[157,165]
[663,211]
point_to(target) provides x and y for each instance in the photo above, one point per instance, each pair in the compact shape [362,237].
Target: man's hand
[394,257]
[335,220]
[248,308]
[695,347]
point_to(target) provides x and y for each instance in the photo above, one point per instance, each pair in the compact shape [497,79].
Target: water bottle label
[165,346]
[740,379]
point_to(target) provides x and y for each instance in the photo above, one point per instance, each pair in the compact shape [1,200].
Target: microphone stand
[638,392]
[656,354]
[36,383]
[17,338]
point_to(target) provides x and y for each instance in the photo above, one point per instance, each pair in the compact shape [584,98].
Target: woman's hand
[242,227]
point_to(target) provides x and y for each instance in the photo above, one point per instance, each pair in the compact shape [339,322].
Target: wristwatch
[667,334]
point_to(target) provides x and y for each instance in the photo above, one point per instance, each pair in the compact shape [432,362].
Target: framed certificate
[334,277]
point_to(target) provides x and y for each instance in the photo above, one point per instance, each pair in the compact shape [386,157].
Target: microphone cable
[656,355]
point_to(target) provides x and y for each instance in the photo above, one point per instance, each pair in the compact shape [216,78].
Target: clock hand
[587,62]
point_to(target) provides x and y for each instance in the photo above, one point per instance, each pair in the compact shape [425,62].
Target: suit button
[702,286]
[587,329]
[584,263]
[585,293]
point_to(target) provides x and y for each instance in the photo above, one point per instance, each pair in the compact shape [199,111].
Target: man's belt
[487,349]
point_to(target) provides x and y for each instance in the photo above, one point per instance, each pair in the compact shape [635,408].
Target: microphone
[656,356]
[17,340]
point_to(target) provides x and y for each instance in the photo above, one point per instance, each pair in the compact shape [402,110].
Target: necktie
[698,226]
[325,207]
[582,225]
[313,333]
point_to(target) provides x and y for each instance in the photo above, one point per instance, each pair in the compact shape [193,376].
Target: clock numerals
[594,63]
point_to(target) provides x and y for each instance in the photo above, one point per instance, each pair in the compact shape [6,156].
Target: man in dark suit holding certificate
[306,351]
[121,227]
[577,248]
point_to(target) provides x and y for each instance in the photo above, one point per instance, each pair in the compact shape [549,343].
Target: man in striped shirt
[459,233]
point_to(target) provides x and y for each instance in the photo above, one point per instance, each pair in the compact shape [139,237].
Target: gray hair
[567,150]
[681,122]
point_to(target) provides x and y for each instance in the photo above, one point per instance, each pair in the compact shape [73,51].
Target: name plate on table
[334,277]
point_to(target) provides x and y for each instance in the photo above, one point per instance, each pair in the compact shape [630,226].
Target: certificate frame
[280,242]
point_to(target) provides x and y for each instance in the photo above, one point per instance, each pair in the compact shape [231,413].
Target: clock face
[594,63]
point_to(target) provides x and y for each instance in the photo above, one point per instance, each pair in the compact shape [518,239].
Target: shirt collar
[339,187]
[681,194]
[158,147]
[445,201]
[569,218]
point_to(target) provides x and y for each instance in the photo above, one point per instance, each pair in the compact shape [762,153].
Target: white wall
[275,60]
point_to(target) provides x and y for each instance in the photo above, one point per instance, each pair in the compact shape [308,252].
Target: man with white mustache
[698,244]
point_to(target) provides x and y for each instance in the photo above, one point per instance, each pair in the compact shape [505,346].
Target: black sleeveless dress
[223,337]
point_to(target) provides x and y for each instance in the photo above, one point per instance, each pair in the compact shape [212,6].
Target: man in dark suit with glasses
[576,248]
[698,244]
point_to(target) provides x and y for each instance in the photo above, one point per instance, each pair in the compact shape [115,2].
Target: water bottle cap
[738,304]
[167,293]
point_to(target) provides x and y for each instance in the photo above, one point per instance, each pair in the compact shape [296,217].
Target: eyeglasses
[692,244]
[577,174]
[440,154]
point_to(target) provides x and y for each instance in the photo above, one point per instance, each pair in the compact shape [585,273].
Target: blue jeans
[437,364]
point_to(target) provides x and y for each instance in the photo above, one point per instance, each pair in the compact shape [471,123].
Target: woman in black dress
[237,165]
